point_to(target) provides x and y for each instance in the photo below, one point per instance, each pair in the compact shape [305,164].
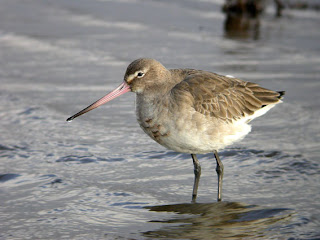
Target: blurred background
[101,177]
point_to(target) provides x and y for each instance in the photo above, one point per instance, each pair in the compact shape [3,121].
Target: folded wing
[224,97]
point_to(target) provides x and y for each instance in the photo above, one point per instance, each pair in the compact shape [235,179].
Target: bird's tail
[281,93]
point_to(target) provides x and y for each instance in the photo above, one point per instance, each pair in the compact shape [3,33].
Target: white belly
[188,131]
[203,137]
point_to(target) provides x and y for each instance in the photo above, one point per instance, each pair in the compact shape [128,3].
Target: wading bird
[192,111]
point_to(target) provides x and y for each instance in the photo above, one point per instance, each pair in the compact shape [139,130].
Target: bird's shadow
[231,220]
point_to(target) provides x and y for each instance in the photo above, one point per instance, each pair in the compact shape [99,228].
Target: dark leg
[219,170]
[197,173]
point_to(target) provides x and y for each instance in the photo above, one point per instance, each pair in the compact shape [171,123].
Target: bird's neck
[150,106]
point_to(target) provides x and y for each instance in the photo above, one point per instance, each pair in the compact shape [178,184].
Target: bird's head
[145,74]
[141,74]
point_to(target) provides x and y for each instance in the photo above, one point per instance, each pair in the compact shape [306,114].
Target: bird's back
[226,98]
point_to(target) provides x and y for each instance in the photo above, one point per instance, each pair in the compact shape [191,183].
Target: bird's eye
[140,74]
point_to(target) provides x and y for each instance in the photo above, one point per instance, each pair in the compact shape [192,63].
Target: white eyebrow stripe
[131,77]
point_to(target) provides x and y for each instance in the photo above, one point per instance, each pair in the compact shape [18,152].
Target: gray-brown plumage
[192,111]
[224,97]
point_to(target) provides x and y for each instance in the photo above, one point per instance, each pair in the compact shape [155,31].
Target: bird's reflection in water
[241,27]
[220,220]
[242,18]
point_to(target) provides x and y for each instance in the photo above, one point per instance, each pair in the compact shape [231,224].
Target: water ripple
[88,159]
[8,177]
[5,148]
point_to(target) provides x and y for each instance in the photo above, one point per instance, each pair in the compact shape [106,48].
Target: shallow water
[100,177]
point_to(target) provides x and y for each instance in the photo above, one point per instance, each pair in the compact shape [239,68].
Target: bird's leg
[197,173]
[219,170]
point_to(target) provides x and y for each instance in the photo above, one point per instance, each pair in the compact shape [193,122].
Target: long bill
[123,88]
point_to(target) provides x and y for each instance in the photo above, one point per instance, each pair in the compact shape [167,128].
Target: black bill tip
[70,119]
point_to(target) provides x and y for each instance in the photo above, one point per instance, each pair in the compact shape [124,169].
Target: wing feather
[223,97]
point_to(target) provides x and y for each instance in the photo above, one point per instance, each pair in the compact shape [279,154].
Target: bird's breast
[152,115]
